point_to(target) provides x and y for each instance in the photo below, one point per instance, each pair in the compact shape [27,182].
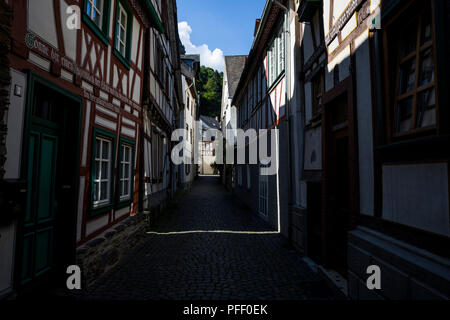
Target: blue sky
[217,28]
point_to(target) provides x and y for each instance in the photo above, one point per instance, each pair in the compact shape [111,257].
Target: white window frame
[99,142]
[121,29]
[129,178]
[96,8]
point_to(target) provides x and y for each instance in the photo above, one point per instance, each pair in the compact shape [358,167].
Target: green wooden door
[39,220]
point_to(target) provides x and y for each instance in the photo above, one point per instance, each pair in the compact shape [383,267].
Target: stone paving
[176,262]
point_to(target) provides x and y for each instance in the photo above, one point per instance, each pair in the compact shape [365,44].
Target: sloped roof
[210,122]
[234,65]
[192,61]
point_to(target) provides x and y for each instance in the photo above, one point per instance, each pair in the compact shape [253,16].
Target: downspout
[302,121]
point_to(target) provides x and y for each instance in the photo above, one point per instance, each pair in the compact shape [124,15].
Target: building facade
[209,127]
[190,70]
[84,78]
[374,77]
[234,65]
[357,91]
[162,106]
[266,98]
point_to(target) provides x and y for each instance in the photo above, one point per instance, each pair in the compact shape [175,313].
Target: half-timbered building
[78,74]
[162,104]
[376,162]
[266,98]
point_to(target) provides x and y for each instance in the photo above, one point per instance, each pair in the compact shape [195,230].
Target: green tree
[210,88]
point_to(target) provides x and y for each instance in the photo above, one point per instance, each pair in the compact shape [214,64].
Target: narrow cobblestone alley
[193,255]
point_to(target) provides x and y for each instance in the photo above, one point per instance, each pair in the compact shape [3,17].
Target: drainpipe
[301,131]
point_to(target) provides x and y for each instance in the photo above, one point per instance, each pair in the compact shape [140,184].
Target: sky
[218,28]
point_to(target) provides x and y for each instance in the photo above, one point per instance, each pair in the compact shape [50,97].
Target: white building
[190,69]
[267,97]
[208,145]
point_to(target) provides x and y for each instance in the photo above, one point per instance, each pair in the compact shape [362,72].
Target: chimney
[258,21]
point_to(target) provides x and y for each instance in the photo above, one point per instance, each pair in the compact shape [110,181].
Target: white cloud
[213,59]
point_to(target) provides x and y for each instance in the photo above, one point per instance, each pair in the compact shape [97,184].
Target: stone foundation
[104,252]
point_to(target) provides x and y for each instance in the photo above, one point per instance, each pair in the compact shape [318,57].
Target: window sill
[122,59]
[98,32]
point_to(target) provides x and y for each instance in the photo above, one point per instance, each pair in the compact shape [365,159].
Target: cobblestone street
[182,261]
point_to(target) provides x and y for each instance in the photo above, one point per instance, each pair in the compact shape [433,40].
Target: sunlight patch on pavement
[212,231]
